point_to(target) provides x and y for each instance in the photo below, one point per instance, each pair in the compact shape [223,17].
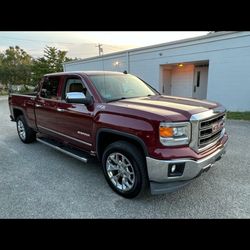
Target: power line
[100,48]
[115,47]
[112,50]
[31,40]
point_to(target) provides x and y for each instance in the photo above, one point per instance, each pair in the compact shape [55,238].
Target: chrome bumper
[161,182]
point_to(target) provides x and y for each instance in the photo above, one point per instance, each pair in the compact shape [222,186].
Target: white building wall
[229,79]
[229,65]
[102,63]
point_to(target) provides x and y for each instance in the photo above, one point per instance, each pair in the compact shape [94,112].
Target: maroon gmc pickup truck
[141,137]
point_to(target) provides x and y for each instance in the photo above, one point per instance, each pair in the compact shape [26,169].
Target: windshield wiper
[117,99]
[122,98]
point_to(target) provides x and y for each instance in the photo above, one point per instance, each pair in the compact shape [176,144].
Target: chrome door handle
[38,105]
[60,110]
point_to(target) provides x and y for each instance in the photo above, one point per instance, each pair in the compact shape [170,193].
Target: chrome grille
[210,131]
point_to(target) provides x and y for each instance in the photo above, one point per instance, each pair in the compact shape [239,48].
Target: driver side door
[75,120]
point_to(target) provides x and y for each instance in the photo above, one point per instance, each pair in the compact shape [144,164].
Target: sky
[84,44]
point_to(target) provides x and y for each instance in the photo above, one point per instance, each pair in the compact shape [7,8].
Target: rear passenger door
[76,120]
[46,105]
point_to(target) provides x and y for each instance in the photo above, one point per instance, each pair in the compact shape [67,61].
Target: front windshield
[118,86]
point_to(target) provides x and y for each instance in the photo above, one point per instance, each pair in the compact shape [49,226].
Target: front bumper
[158,171]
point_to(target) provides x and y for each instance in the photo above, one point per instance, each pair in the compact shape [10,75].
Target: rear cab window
[50,87]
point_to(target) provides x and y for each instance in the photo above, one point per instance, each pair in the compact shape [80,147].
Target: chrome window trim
[17,94]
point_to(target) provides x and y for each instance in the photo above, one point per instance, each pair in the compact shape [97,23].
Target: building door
[166,87]
[182,80]
[200,82]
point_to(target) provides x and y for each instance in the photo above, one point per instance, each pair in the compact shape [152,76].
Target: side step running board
[68,151]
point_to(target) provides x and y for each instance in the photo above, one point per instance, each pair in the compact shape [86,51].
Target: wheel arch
[17,112]
[105,137]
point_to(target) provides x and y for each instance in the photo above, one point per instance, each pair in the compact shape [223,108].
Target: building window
[198,78]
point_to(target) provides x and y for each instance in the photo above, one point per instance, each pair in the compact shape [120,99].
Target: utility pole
[100,49]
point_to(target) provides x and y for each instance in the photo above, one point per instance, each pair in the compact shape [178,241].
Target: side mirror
[78,97]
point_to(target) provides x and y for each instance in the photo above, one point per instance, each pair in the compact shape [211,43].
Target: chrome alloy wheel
[21,130]
[120,171]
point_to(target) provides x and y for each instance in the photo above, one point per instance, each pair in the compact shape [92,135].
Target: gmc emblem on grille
[217,126]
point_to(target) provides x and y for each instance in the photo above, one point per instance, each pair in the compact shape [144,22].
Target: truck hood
[170,107]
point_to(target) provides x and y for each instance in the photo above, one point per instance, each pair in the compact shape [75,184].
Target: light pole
[100,49]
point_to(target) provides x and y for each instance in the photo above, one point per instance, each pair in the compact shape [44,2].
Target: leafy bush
[3,92]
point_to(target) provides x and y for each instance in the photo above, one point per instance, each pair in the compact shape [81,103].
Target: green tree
[51,62]
[18,67]
[15,66]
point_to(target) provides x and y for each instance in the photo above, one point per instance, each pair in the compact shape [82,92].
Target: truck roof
[88,73]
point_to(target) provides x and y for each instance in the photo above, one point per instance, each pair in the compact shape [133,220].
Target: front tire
[124,168]
[25,133]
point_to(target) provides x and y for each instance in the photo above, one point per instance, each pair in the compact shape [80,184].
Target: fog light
[176,169]
[173,168]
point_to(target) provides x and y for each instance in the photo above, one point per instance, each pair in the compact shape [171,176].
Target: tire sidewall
[30,134]
[20,118]
[113,148]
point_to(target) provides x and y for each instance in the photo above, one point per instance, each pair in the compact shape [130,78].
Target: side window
[75,85]
[50,87]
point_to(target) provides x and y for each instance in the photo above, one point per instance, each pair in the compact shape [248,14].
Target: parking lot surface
[39,182]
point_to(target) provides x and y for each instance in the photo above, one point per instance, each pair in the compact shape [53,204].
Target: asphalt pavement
[39,182]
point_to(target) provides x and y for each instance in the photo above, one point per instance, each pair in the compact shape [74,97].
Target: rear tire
[25,133]
[124,168]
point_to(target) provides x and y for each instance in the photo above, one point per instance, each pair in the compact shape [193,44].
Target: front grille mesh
[210,130]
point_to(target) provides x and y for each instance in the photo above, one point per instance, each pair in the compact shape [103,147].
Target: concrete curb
[5,97]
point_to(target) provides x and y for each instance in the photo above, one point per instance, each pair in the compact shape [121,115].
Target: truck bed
[26,104]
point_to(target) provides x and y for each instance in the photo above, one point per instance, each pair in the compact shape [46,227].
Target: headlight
[173,134]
